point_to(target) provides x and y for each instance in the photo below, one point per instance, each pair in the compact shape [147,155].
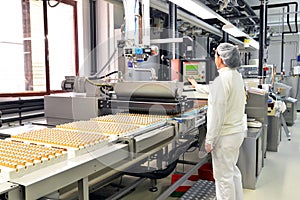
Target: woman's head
[229,54]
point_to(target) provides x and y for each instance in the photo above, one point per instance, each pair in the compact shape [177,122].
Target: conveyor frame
[117,156]
[10,190]
[42,182]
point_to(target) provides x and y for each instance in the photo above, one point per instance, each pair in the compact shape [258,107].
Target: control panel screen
[191,69]
[195,70]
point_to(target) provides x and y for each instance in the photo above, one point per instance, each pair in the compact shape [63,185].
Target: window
[38,46]
[11,47]
[61,39]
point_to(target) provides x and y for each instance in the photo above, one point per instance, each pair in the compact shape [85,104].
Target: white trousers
[228,178]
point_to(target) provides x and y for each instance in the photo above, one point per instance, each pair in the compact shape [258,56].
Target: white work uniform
[204,89]
[225,131]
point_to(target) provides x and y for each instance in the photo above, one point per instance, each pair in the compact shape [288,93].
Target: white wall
[105,34]
[291,50]
[83,15]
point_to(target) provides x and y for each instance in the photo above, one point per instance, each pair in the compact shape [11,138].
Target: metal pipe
[284,5]
[192,19]
[282,47]
[275,14]
[246,58]
[288,19]
[241,17]
[264,39]
[225,36]
[277,23]
[265,24]
[93,37]
[284,32]
[173,27]
[261,42]
[282,54]
[236,11]
[278,5]
[296,19]
[249,56]
[248,9]
[208,46]
[46,48]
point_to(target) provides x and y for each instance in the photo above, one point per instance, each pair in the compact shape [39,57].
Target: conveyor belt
[78,165]
[201,190]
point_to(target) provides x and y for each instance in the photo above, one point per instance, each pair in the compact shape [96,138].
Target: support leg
[286,130]
[83,189]
[153,185]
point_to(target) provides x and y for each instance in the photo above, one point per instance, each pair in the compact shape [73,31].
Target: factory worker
[225,127]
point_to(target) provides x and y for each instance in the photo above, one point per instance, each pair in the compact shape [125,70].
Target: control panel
[195,70]
[249,71]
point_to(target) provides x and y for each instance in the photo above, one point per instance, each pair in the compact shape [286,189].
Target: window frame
[47,91]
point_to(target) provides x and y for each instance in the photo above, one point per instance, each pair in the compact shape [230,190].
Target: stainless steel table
[251,157]
[274,131]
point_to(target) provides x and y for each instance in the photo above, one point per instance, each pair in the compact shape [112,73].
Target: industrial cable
[162,173]
[102,86]
[106,75]
[193,146]
[157,174]
[96,84]
[52,6]
[105,90]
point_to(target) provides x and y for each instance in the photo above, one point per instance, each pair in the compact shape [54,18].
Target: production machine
[105,127]
[151,97]
[89,152]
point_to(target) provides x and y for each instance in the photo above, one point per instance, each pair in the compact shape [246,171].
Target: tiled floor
[279,179]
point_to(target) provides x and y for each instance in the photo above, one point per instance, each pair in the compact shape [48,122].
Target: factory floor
[279,178]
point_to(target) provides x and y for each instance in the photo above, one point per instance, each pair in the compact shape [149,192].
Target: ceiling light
[197,8]
[233,30]
[254,43]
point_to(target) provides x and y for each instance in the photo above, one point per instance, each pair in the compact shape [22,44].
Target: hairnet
[230,55]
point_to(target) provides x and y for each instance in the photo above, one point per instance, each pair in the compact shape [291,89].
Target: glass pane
[11,47]
[38,45]
[22,67]
[61,44]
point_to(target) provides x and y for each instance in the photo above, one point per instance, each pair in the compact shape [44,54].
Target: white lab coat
[225,131]
[204,89]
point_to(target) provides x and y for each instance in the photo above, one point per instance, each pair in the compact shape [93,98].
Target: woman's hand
[208,147]
[193,82]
